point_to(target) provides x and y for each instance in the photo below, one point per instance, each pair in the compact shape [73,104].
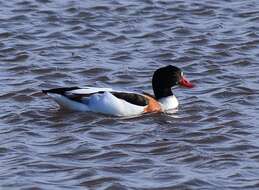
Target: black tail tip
[44,91]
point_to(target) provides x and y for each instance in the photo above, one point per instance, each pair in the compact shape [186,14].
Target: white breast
[169,103]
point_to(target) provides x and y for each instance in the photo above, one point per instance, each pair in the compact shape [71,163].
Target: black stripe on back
[132,98]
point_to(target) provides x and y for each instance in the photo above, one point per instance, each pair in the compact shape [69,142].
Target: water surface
[210,143]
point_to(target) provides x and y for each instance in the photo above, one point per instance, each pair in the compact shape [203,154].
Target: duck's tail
[59,95]
[60,91]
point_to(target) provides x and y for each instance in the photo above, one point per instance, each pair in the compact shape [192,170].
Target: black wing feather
[60,91]
[132,98]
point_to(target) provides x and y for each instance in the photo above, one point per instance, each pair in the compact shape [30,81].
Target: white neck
[169,102]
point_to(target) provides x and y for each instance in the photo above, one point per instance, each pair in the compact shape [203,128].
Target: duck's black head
[165,78]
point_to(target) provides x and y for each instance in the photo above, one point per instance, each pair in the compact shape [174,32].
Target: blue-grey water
[212,142]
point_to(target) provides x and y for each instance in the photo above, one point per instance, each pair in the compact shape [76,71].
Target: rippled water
[210,143]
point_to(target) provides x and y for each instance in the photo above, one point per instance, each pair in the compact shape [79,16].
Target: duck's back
[100,100]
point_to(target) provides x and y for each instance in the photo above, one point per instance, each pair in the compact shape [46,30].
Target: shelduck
[123,103]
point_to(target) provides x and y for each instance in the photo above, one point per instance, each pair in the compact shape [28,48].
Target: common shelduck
[123,103]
